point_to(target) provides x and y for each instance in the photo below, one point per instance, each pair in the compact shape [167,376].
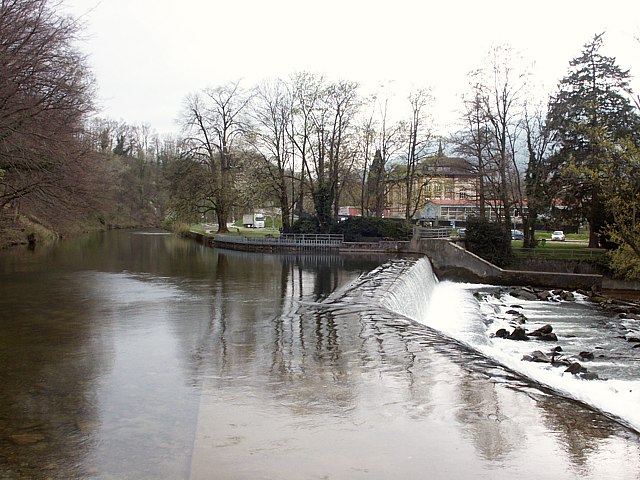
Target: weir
[411,292]
[470,315]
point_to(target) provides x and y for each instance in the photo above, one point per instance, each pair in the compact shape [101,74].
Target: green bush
[358,229]
[307,224]
[368,229]
[489,241]
[625,264]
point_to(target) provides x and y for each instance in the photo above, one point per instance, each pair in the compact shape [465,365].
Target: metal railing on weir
[430,232]
[291,240]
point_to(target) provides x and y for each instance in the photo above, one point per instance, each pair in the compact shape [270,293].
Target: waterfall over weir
[411,292]
[444,306]
[469,315]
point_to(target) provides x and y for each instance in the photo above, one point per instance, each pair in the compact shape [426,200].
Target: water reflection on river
[131,355]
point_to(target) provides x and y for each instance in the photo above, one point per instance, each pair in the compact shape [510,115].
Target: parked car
[558,236]
[517,235]
[462,232]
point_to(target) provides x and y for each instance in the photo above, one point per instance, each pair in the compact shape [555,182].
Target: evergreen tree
[375,185]
[593,103]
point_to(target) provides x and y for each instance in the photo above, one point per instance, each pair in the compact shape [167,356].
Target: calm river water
[140,355]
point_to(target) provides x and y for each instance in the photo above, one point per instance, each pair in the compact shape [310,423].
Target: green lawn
[238,231]
[580,237]
[574,248]
[548,244]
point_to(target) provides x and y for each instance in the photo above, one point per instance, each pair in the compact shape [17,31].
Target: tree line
[308,144]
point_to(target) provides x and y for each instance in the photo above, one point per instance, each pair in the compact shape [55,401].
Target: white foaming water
[411,290]
[452,309]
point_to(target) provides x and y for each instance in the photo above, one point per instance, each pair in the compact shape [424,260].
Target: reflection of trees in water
[323,352]
[480,409]
[579,429]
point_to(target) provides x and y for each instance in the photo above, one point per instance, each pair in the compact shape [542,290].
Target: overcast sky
[147,55]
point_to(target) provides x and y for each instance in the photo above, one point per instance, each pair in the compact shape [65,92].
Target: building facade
[445,188]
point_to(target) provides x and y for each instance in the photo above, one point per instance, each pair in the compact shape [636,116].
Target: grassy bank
[236,231]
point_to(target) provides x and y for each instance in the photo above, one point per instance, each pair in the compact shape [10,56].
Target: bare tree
[538,172]
[419,138]
[45,93]
[384,139]
[322,133]
[503,87]
[474,142]
[335,154]
[366,133]
[306,92]
[272,114]
[213,121]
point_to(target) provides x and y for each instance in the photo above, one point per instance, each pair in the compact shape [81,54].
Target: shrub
[625,264]
[307,224]
[489,241]
[363,229]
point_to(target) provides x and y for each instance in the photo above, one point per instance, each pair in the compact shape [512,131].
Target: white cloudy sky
[147,55]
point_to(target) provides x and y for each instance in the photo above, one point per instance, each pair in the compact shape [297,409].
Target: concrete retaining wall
[450,261]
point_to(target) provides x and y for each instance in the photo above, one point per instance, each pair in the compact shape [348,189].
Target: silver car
[558,236]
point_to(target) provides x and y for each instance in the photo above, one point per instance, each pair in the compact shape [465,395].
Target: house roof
[462,202]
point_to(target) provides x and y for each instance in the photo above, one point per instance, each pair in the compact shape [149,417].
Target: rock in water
[524,294]
[548,337]
[544,330]
[538,357]
[518,334]
[575,368]
[502,333]
[586,356]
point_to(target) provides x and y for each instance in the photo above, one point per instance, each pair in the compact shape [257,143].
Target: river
[141,355]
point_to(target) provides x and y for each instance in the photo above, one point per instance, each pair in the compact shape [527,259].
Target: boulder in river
[524,294]
[517,316]
[579,371]
[502,333]
[543,295]
[545,329]
[575,368]
[538,357]
[518,334]
[586,356]
[545,333]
